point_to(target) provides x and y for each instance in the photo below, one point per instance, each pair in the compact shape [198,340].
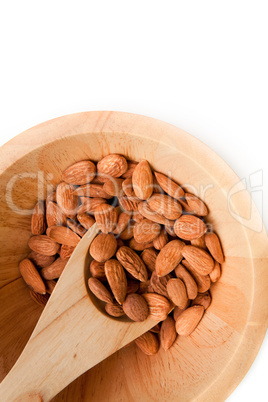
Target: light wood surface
[209,364]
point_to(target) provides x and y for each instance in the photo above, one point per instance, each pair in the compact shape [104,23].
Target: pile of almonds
[154,258]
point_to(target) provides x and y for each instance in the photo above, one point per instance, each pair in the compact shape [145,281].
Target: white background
[200,65]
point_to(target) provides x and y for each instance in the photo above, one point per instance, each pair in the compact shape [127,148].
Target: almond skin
[97,270]
[148,213]
[40,260]
[165,205]
[177,292]
[146,231]
[142,180]
[50,285]
[196,205]
[54,270]
[63,235]
[55,217]
[202,281]
[161,240]
[132,286]
[122,222]
[148,343]
[189,227]
[128,188]
[79,173]
[169,186]
[99,290]
[199,259]
[113,187]
[178,311]
[132,263]
[127,234]
[117,280]
[159,284]
[148,256]
[131,167]
[159,306]
[188,320]
[76,227]
[103,247]
[66,252]
[169,257]
[214,246]
[31,276]
[86,220]
[67,200]
[188,280]
[135,307]
[129,204]
[156,329]
[139,246]
[199,242]
[111,165]
[215,274]
[89,205]
[92,190]
[38,298]
[202,299]
[38,222]
[114,309]
[106,217]
[44,245]
[168,333]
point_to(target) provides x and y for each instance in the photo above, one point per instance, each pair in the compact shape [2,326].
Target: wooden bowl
[210,363]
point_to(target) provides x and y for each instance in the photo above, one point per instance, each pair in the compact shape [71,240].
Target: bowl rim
[122,123]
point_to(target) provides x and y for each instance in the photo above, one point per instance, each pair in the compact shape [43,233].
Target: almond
[97,270]
[128,188]
[131,167]
[202,281]
[185,206]
[119,242]
[92,190]
[165,205]
[31,276]
[117,280]
[196,205]
[63,235]
[114,309]
[168,333]
[148,213]
[122,222]
[44,245]
[76,227]
[188,281]
[137,217]
[146,231]
[135,307]
[40,260]
[139,246]
[113,187]
[156,329]
[112,165]
[38,298]
[148,256]
[177,292]
[177,311]
[132,286]
[142,180]
[99,290]
[170,230]
[50,285]
[189,227]
[148,343]
[132,263]
[66,252]
[159,306]
[67,200]
[169,186]
[106,217]
[55,217]
[169,257]
[161,240]
[129,204]
[54,270]
[144,287]
[89,205]
[202,299]
[215,274]
[189,319]
[159,284]
[86,220]
[199,259]
[127,234]
[199,242]
[51,197]
[79,173]
[214,246]
[103,247]
[38,223]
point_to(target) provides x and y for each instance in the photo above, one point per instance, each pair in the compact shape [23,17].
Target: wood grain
[209,364]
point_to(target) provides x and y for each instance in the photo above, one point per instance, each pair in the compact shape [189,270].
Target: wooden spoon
[71,336]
